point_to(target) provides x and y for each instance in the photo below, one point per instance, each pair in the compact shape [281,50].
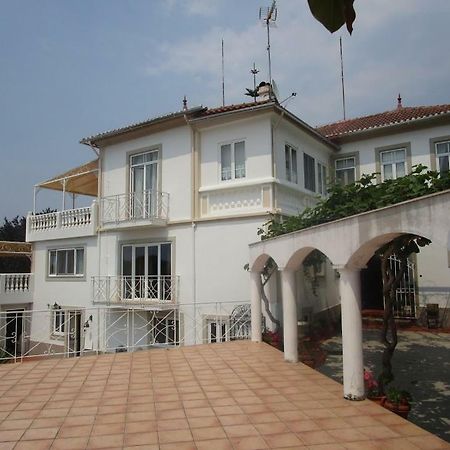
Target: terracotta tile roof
[237,107]
[387,118]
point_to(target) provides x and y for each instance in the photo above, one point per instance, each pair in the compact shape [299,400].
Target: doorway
[14,332]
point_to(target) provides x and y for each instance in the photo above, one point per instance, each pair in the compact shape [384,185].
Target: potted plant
[372,387]
[398,401]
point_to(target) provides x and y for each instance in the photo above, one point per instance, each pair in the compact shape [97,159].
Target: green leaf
[332,14]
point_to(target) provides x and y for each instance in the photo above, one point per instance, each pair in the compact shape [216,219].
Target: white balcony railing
[16,282]
[150,206]
[135,289]
[61,224]
[16,288]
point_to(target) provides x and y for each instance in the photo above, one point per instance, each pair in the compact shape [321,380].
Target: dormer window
[232,160]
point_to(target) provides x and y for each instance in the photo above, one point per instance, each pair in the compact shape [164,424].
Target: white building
[159,256]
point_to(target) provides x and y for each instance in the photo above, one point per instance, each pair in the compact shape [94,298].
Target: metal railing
[70,332]
[135,289]
[69,218]
[147,205]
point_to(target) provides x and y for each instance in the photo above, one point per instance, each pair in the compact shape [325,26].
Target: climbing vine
[361,196]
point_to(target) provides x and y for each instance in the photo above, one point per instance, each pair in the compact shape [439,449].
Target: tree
[332,14]
[401,247]
[14,230]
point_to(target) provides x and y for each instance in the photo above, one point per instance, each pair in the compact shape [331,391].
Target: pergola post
[290,321]
[352,346]
[256,309]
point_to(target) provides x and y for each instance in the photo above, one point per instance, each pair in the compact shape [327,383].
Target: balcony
[16,288]
[62,224]
[135,290]
[134,209]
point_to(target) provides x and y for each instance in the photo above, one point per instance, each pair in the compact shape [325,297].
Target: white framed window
[443,156]
[166,331]
[58,322]
[218,330]
[393,164]
[144,183]
[66,262]
[290,155]
[232,160]
[345,170]
[322,178]
[309,172]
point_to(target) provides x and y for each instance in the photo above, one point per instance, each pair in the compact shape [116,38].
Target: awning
[8,249]
[80,180]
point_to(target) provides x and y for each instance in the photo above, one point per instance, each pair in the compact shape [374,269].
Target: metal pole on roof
[223,76]
[342,77]
[34,200]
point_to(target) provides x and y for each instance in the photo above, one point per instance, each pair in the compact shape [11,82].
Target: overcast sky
[69,69]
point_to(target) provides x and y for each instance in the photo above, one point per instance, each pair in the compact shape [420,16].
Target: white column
[352,348]
[290,323]
[255,298]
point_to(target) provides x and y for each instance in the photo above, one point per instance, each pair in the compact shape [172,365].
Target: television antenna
[269,16]
[254,72]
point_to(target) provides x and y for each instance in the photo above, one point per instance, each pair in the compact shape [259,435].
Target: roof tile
[387,118]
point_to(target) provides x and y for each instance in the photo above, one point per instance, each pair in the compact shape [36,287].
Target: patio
[236,395]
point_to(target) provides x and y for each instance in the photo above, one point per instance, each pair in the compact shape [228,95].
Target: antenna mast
[269,16]
[254,72]
[223,77]
[342,77]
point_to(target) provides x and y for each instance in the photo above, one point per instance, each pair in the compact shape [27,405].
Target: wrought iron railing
[70,332]
[147,205]
[135,289]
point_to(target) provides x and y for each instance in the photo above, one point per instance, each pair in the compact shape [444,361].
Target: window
[232,160]
[59,322]
[144,182]
[443,156]
[218,330]
[322,178]
[146,271]
[310,172]
[68,262]
[345,169]
[166,331]
[393,164]
[290,155]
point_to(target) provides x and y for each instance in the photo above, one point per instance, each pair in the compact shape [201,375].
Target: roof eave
[93,141]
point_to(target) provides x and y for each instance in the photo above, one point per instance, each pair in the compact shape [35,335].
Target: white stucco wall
[419,140]
[174,171]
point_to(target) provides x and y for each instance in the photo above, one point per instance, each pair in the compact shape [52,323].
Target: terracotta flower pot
[401,409]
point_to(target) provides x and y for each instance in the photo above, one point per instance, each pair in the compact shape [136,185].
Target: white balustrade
[70,218]
[76,217]
[16,282]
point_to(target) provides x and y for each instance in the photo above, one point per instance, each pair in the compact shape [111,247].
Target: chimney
[263,91]
[399,102]
[185,104]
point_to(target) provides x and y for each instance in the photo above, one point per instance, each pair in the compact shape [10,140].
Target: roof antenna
[223,76]
[342,76]
[269,16]
[185,103]
[399,102]
[254,72]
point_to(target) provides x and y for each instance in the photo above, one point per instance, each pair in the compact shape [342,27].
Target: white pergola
[349,244]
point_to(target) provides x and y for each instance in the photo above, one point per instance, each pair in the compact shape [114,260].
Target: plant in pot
[372,387]
[398,401]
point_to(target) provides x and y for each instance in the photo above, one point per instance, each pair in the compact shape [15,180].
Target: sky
[70,69]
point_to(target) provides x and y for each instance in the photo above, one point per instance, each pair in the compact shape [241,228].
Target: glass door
[147,271]
[144,182]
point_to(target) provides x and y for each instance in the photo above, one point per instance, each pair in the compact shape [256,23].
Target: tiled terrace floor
[236,395]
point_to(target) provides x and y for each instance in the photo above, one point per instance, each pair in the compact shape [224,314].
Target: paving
[421,366]
[236,395]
